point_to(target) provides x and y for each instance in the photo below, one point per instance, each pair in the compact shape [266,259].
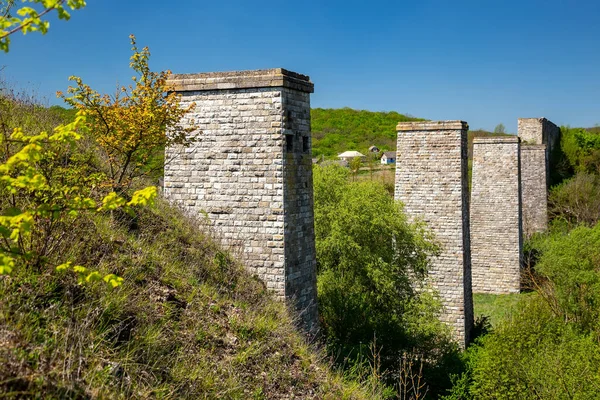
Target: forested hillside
[337,130]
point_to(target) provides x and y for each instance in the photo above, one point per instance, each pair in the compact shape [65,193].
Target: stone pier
[250,172]
[431,181]
[540,139]
[534,187]
[496,226]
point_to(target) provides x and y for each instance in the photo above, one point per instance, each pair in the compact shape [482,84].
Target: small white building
[350,155]
[388,157]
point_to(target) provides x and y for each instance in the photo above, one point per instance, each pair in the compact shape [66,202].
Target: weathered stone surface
[539,131]
[276,77]
[496,226]
[535,170]
[431,181]
[250,170]
[534,188]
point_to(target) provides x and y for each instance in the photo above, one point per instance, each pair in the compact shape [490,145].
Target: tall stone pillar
[534,187]
[540,140]
[496,227]
[250,171]
[431,181]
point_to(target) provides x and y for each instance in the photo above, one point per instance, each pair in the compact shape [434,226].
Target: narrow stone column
[540,141]
[250,172]
[496,227]
[534,187]
[431,181]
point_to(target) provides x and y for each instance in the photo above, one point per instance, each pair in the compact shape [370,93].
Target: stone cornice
[496,139]
[276,77]
[431,126]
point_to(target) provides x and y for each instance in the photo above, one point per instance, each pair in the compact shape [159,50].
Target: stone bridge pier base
[496,225]
[250,172]
[431,181]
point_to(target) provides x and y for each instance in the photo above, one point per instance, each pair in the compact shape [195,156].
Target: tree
[369,259]
[500,129]
[131,126]
[355,165]
[28,19]
[577,200]
[41,184]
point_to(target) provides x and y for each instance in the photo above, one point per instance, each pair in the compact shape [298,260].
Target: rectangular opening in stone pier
[496,227]
[431,181]
[249,175]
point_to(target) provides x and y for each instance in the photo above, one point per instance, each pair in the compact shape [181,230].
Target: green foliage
[548,346]
[355,165]
[534,355]
[130,128]
[187,322]
[368,258]
[582,149]
[29,19]
[45,187]
[337,130]
[500,129]
[577,200]
[496,307]
[571,264]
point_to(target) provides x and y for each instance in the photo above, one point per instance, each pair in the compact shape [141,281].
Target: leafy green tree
[534,355]
[130,128]
[355,165]
[369,260]
[500,129]
[43,185]
[570,265]
[577,200]
[582,148]
[549,348]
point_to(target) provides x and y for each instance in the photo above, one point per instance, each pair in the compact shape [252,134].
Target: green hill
[337,130]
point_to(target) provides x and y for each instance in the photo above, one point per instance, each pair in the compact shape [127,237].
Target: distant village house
[388,157]
[374,149]
[350,155]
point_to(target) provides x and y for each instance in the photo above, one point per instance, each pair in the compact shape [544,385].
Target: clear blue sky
[480,61]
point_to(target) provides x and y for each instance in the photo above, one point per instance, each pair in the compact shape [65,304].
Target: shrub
[370,259]
[533,355]
[582,148]
[576,201]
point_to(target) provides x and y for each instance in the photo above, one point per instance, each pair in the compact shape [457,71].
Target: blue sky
[480,61]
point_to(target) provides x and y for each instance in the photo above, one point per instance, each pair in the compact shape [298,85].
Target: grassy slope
[498,307]
[187,323]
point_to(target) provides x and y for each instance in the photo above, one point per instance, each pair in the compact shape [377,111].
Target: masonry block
[250,171]
[534,161]
[496,226]
[431,182]
[536,134]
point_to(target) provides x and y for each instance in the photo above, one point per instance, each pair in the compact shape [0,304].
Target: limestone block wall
[534,188]
[250,171]
[539,131]
[431,181]
[496,226]
[536,132]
